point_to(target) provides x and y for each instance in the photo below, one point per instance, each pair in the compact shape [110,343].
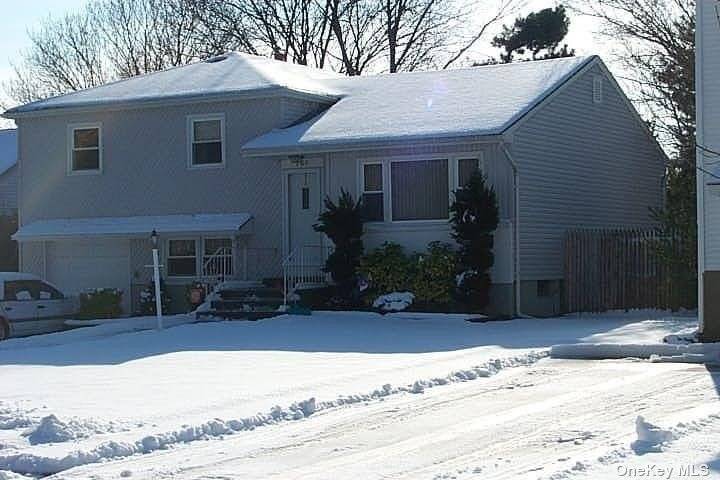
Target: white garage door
[78,265]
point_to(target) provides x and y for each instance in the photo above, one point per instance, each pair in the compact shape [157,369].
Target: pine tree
[539,31]
[474,219]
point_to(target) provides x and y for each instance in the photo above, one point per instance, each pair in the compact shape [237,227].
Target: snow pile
[53,430]
[650,438]
[683,338]
[394,302]
[12,419]
[5,475]
[656,352]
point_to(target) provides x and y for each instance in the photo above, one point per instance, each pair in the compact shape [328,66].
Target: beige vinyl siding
[582,165]
[709,122]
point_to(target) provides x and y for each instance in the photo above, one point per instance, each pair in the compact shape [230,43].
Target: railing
[218,266]
[303,267]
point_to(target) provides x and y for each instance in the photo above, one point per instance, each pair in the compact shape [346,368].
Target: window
[206,141]
[48,292]
[21,290]
[218,257]
[466,168]
[85,149]
[420,190]
[182,260]
[372,192]
[598,89]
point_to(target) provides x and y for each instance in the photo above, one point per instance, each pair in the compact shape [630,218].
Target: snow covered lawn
[85,396]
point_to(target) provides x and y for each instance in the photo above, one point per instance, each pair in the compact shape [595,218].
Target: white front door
[304,206]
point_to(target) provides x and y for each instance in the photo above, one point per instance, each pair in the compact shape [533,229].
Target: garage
[81,264]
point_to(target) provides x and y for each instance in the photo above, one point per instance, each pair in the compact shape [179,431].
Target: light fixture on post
[156,279]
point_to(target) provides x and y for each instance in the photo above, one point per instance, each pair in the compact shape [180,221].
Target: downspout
[516,227]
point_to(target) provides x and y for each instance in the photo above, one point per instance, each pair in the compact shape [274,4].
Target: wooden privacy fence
[615,270]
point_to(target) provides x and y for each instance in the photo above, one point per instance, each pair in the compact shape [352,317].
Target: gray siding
[145,168]
[582,164]
[9,192]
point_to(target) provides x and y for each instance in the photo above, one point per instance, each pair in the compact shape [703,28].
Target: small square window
[206,142]
[85,149]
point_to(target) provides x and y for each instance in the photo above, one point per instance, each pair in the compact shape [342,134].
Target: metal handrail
[298,271]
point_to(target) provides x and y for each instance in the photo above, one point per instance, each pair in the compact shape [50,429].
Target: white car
[29,305]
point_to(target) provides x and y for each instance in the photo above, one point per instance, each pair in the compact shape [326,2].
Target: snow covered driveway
[353,382]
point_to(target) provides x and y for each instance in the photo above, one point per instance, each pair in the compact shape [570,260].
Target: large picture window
[85,149]
[206,141]
[420,190]
[372,196]
[182,258]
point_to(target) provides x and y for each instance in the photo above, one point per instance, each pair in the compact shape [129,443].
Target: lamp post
[156,275]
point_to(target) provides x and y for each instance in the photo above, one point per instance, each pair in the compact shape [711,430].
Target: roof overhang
[416,141]
[135,227]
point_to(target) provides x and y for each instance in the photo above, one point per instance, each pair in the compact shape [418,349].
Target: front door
[304,204]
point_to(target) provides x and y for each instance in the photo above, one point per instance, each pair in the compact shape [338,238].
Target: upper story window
[85,149]
[206,137]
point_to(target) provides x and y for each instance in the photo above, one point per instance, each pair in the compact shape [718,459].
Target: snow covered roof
[132,226]
[473,101]
[228,74]
[8,150]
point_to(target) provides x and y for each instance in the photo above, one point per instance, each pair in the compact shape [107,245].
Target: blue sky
[16,21]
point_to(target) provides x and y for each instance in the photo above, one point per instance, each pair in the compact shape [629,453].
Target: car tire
[4,329]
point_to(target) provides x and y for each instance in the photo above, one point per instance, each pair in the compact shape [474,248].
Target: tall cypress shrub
[474,219]
[342,223]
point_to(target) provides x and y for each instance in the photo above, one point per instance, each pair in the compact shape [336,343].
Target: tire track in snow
[31,464]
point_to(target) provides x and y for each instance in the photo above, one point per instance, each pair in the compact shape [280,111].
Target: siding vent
[598,89]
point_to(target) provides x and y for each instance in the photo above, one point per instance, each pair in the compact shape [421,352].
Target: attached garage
[78,265]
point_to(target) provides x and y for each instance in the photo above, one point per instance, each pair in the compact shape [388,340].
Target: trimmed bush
[100,303]
[433,280]
[387,268]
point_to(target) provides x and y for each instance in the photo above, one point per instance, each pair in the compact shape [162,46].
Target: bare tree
[62,57]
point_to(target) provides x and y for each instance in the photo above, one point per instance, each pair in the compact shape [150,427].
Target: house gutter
[516,226]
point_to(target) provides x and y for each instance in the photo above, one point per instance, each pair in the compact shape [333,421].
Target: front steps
[235,300]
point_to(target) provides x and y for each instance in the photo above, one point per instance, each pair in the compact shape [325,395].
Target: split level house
[229,160]
[708,161]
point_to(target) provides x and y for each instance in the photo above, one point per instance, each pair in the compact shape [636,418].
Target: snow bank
[52,429]
[650,438]
[5,475]
[659,352]
[394,302]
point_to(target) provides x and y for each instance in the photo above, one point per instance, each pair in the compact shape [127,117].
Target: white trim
[71,128]
[191,120]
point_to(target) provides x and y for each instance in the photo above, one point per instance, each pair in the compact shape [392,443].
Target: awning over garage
[140,226]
